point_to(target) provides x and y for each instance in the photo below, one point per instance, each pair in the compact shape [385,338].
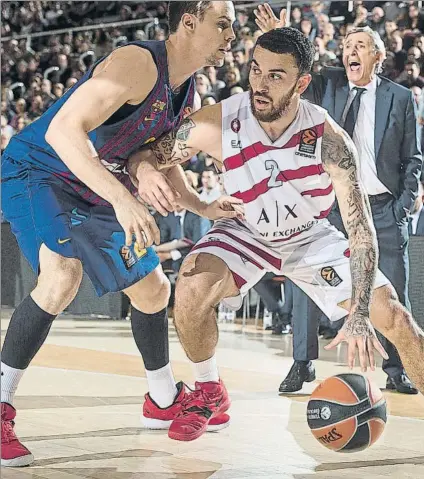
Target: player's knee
[151,294]
[58,284]
[203,281]
[194,298]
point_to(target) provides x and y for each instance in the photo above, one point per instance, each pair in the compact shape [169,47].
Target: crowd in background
[37,71]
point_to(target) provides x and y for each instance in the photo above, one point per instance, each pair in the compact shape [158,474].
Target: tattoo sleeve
[173,148]
[340,161]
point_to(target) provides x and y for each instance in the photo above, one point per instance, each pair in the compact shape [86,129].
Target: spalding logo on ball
[347,413]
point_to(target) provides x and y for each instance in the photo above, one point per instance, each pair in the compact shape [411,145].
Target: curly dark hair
[291,41]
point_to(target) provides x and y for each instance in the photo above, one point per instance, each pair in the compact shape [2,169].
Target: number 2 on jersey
[273,182]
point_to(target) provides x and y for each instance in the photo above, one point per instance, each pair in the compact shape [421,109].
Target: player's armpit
[201,131]
[340,160]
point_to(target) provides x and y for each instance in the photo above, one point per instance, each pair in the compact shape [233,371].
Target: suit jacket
[397,136]
[420,224]
[194,228]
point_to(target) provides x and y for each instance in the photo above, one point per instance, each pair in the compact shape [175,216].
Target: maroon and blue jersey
[126,132]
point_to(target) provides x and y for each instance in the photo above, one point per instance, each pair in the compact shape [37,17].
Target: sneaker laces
[193,395]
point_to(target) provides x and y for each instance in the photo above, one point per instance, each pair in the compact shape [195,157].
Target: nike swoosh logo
[62,241]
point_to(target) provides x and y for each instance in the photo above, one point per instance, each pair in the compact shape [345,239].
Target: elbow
[60,127]
[54,131]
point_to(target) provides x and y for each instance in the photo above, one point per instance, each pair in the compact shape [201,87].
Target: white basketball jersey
[282,184]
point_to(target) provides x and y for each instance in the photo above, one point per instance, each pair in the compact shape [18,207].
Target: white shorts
[317,261]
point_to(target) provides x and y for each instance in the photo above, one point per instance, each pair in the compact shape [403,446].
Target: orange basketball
[347,413]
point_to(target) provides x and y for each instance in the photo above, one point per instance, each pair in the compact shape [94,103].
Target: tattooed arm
[201,131]
[340,161]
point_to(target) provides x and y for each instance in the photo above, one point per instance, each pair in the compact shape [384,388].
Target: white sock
[10,378]
[162,388]
[206,371]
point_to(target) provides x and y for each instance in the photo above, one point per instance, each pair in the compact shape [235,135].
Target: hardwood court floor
[79,408]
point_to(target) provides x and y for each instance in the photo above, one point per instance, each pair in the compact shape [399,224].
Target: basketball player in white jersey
[287,160]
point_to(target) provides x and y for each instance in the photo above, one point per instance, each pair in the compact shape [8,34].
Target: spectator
[296,17]
[37,107]
[377,21]
[216,85]
[208,100]
[396,46]
[47,95]
[417,92]
[411,76]
[203,85]
[211,190]
[241,62]
[58,90]
[232,78]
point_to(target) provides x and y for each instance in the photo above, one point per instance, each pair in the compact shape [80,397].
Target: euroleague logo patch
[308,141]
[236,125]
[329,275]
[130,256]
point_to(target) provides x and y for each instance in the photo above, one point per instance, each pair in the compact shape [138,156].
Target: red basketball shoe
[208,402]
[13,453]
[154,417]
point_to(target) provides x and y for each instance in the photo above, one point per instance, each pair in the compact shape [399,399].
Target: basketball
[347,413]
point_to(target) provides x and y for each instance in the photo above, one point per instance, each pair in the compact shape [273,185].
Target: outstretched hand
[266,19]
[359,333]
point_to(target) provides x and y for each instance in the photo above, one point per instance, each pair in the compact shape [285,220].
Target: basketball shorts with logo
[317,260]
[42,208]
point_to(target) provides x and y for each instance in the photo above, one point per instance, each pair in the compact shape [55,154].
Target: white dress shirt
[211,195]
[363,137]
[414,220]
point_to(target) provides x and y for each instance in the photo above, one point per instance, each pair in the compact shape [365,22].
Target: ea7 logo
[236,144]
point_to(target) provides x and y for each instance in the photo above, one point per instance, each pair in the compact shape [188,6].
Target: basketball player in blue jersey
[68,197]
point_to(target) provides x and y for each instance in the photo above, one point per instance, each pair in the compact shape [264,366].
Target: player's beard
[275,112]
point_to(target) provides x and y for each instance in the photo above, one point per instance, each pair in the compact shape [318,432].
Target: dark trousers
[270,293]
[392,237]
[305,316]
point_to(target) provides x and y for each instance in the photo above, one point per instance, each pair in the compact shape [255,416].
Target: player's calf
[397,324]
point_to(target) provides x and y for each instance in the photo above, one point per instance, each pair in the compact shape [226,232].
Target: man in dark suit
[179,231]
[380,116]
[416,220]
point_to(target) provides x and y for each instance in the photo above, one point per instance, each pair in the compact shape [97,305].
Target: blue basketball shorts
[42,208]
